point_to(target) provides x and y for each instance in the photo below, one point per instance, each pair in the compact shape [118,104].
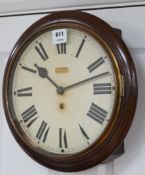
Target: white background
[13,161]
[24,6]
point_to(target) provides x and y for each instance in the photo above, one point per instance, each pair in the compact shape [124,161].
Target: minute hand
[86,80]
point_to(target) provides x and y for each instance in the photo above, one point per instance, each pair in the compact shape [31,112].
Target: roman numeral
[80,47]
[42,132]
[84,132]
[102,88]
[62,139]
[97,113]
[25,92]
[29,115]
[61,48]
[41,51]
[28,69]
[96,64]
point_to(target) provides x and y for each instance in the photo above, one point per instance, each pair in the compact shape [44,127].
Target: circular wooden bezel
[126,101]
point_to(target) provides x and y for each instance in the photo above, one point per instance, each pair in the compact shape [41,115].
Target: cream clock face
[63,95]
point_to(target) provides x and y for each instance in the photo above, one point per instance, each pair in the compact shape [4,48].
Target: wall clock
[69,91]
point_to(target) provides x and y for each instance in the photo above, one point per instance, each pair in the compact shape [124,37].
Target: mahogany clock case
[125,106]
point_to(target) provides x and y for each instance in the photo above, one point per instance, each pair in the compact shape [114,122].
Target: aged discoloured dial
[63,111]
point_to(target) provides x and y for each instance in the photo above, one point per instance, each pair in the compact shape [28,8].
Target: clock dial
[63,102]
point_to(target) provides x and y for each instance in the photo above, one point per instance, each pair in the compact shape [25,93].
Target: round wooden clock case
[69,104]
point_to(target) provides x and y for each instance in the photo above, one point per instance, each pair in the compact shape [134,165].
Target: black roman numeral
[102,88]
[41,51]
[61,48]
[62,139]
[97,113]
[28,69]
[25,92]
[96,64]
[80,47]
[42,132]
[29,115]
[84,132]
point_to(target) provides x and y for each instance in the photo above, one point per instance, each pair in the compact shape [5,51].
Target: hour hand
[43,73]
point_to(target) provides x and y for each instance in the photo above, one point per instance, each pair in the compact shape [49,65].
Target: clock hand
[85,80]
[43,73]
